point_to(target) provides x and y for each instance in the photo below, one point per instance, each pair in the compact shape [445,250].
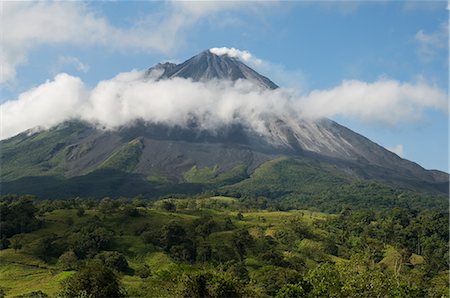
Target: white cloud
[431,43]
[27,25]
[397,149]
[44,106]
[70,61]
[278,73]
[245,56]
[130,96]
[383,101]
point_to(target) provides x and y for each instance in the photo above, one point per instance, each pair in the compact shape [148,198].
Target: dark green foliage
[94,280]
[205,225]
[329,280]
[16,243]
[68,260]
[175,241]
[88,239]
[17,215]
[293,291]
[45,247]
[241,242]
[113,260]
[204,252]
[205,284]
[172,234]
[80,212]
[168,206]
[130,211]
[271,278]
[239,271]
[36,294]
[423,233]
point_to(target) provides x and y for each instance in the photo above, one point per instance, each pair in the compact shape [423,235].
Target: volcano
[154,159]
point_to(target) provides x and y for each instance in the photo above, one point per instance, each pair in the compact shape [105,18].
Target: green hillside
[217,247]
[283,183]
[126,158]
[306,183]
[38,154]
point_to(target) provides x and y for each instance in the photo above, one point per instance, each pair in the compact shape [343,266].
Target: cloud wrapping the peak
[245,56]
[131,96]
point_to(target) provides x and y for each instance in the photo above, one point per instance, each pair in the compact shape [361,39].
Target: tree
[68,260]
[80,212]
[292,291]
[16,243]
[94,280]
[107,206]
[44,247]
[168,206]
[194,285]
[172,234]
[114,260]
[17,215]
[205,284]
[241,241]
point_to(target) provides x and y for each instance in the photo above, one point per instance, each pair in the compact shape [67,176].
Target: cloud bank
[384,101]
[131,96]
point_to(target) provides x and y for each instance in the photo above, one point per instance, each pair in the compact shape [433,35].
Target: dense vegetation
[218,247]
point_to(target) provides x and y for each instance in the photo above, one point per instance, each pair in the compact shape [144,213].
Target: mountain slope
[208,66]
[153,159]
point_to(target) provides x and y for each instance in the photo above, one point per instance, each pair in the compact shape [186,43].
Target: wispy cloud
[397,149]
[283,77]
[71,61]
[33,24]
[245,56]
[431,43]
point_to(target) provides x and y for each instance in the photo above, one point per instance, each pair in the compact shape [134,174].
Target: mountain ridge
[158,158]
[208,66]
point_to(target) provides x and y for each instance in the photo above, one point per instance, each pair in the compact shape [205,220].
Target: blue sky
[309,46]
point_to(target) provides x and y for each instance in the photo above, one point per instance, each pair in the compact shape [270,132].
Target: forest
[218,246]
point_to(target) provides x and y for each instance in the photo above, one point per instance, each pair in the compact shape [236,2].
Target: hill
[165,249]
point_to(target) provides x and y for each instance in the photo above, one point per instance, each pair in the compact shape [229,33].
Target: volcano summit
[286,157]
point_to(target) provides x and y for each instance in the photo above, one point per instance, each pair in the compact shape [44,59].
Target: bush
[114,260]
[68,260]
[205,284]
[94,280]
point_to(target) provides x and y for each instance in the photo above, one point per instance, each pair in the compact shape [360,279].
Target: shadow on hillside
[99,184]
